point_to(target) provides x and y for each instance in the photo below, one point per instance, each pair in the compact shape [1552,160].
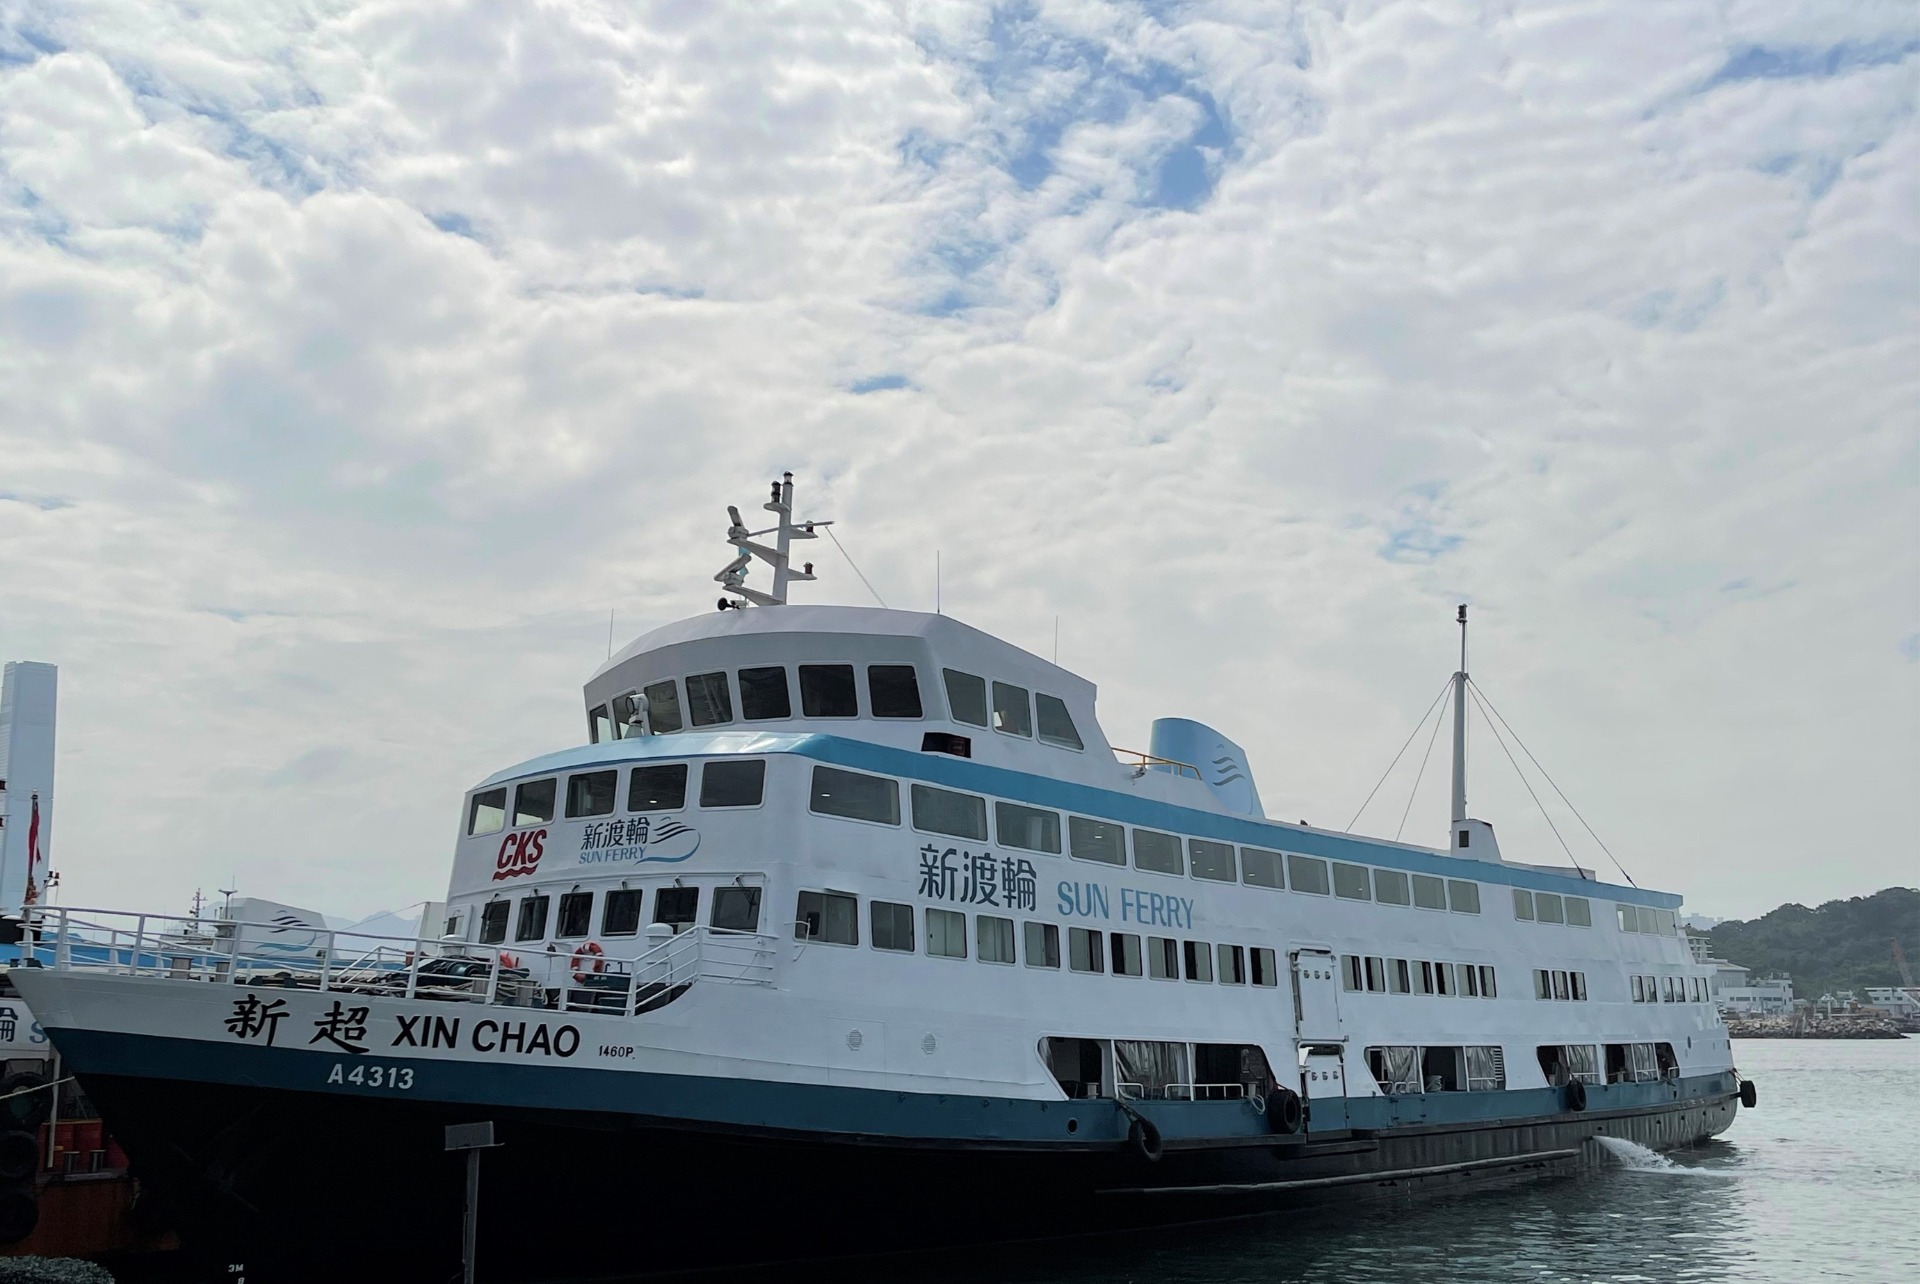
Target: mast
[1460,726]
[732,576]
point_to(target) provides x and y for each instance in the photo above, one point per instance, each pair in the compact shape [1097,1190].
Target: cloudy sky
[358,359]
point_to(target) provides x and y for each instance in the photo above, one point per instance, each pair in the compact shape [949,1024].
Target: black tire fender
[1749,1095]
[19,1157]
[1145,1139]
[1283,1111]
[19,1214]
[1576,1095]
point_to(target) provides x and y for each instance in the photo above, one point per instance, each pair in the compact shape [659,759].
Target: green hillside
[1842,945]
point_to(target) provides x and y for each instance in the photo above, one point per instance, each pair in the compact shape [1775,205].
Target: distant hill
[1842,945]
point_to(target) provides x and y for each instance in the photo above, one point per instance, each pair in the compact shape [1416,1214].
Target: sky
[361,363]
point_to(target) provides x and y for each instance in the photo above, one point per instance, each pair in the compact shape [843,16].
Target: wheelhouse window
[946,934]
[966,697]
[576,915]
[1012,710]
[663,707]
[1350,882]
[1211,860]
[1308,875]
[677,907]
[487,811]
[1028,828]
[620,916]
[599,725]
[1261,868]
[1198,956]
[533,803]
[1463,897]
[1158,852]
[657,788]
[1042,943]
[709,700]
[830,917]
[1547,907]
[1579,911]
[893,691]
[854,795]
[1083,950]
[1390,887]
[493,922]
[764,694]
[1127,957]
[942,811]
[726,782]
[1056,724]
[736,909]
[1523,904]
[591,793]
[994,939]
[532,924]
[891,926]
[1163,958]
[625,711]
[1096,840]
[827,691]
[1429,892]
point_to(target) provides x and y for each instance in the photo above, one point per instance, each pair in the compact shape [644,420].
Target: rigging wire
[1481,695]
[1414,792]
[1523,780]
[1396,758]
[856,569]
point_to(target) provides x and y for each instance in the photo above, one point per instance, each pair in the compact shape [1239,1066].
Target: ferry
[846,930]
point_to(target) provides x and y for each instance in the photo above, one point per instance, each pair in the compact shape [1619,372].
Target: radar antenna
[733,575]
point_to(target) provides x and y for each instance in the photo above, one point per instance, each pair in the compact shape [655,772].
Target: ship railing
[1206,1092]
[1144,762]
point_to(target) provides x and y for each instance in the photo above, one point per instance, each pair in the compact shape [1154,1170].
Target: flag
[33,851]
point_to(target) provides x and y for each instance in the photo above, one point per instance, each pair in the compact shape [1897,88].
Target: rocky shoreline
[1803,1027]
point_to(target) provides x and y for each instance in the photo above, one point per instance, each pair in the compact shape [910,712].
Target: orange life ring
[507,960]
[587,958]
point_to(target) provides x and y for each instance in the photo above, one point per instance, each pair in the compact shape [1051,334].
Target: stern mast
[1460,727]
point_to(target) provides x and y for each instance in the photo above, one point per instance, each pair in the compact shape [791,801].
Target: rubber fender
[1576,1095]
[1283,1110]
[29,1109]
[1749,1095]
[1145,1140]
[19,1156]
[19,1214]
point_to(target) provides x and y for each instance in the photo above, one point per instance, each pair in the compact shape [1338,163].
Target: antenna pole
[1460,730]
[784,496]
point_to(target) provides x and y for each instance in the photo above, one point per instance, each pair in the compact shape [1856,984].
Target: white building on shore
[1736,991]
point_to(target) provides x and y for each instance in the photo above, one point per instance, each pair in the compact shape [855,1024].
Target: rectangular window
[1666,989]
[1542,983]
[1163,958]
[1012,711]
[1429,893]
[626,714]
[832,917]
[1523,904]
[1127,960]
[994,937]
[1639,990]
[893,691]
[709,699]
[1579,912]
[1629,918]
[736,909]
[1577,986]
[493,922]
[677,907]
[1211,860]
[1043,945]
[599,725]
[1199,960]
[1486,1069]
[576,915]
[621,915]
[1468,977]
[1261,869]
[1056,724]
[1665,922]
[1351,882]
[1157,851]
[1487,990]
[826,691]
[533,803]
[1376,975]
[1463,897]
[1390,887]
[764,694]
[853,794]
[1547,906]
[663,707]
[532,924]
[1443,978]
[591,793]
[1350,973]
[726,783]
[1649,918]
[1084,953]
[946,934]
[1308,875]
[1096,840]
[487,811]
[942,811]
[661,788]
[966,697]
[1028,828]
[1265,966]
[1399,977]
[1233,964]
[1559,985]
[1422,978]
[892,926]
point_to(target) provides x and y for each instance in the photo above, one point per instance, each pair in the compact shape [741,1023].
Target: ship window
[1126,954]
[1440,1069]
[1443,978]
[966,697]
[591,793]
[852,794]
[1084,952]
[1487,990]
[1146,1070]
[892,926]
[826,691]
[709,699]
[1012,713]
[576,914]
[1265,968]
[1469,979]
[1043,944]
[1233,964]
[1559,984]
[623,715]
[532,923]
[1665,922]
[1422,978]
[487,811]
[994,936]
[1211,860]
[1260,868]
[1308,875]
[829,917]
[726,783]
[946,934]
[677,907]
[1396,1070]
[1163,958]
[764,694]
[621,914]
[1350,973]
[599,725]
[1390,887]
[1463,897]
[1350,881]
[1579,911]
[1429,892]
[1398,979]
[893,691]
[1649,919]
[736,909]
[1629,920]
[493,922]
[1542,983]
[1577,986]
[1666,989]
[1547,906]
[1056,724]
[659,788]
[1158,852]
[1639,989]
[1199,960]
[663,707]
[942,811]
[1096,840]
[1486,1069]
[1376,974]
[533,803]
[1523,904]
[1027,828]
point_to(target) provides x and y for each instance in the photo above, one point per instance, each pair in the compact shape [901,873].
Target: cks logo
[519,854]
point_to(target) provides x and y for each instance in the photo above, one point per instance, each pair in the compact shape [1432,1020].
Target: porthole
[1073,1125]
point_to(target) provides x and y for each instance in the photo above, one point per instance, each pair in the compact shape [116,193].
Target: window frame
[994,709]
[953,711]
[553,802]
[677,894]
[1194,864]
[569,899]
[805,932]
[814,794]
[1360,890]
[1178,848]
[473,811]
[761,686]
[506,921]
[1049,940]
[1076,745]
[708,764]
[919,713]
[725,703]
[675,703]
[801,674]
[1001,808]
[613,792]
[536,930]
[895,911]
[947,933]
[1090,821]
[980,922]
[1279,868]
[1295,862]
[753,890]
[1096,950]
[638,895]
[667,767]
[916,789]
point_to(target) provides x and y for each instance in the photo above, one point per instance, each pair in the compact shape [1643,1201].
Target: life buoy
[1145,1140]
[1749,1095]
[588,960]
[1576,1095]
[1283,1110]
